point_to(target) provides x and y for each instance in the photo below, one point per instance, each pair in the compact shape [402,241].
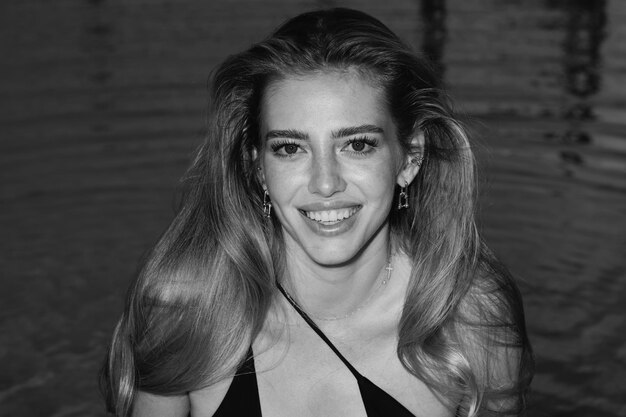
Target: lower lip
[334,229]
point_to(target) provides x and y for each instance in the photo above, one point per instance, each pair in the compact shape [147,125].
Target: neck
[337,291]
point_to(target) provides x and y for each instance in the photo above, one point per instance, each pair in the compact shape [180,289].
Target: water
[102,105]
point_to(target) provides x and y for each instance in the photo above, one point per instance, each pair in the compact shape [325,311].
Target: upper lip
[328,205]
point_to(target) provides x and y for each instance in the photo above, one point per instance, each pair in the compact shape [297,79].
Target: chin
[333,245]
[333,253]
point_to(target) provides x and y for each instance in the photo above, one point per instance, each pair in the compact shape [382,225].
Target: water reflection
[584,33]
[99,45]
[104,104]
[433,23]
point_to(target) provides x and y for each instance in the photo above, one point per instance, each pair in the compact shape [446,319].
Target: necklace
[383,283]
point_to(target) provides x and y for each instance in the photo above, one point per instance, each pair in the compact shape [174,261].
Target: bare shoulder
[490,320]
[151,405]
[206,401]
[491,316]
[493,299]
[201,403]
[492,328]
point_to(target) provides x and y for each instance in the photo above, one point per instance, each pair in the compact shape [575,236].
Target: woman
[325,258]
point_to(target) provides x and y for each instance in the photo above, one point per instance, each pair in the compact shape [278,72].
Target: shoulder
[152,405]
[490,319]
[490,325]
[205,402]
[200,403]
[493,298]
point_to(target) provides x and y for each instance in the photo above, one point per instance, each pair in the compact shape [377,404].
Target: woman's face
[330,162]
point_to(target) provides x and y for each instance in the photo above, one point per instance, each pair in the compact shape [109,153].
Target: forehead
[326,98]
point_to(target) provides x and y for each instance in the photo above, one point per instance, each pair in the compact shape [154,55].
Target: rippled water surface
[102,105]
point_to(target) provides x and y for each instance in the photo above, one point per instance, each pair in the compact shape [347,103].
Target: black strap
[242,397]
[317,330]
[376,401]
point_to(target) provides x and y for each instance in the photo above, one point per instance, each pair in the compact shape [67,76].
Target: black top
[242,398]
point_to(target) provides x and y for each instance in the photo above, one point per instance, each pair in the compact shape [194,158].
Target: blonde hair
[205,289]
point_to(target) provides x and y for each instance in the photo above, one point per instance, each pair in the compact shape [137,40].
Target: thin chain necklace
[383,283]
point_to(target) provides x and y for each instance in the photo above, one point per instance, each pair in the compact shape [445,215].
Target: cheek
[280,182]
[377,183]
[268,169]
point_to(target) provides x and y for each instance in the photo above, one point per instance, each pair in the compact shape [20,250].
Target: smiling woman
[331,150]
[325,259]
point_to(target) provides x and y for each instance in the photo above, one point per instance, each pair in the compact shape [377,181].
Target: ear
[258,163]
[412,160]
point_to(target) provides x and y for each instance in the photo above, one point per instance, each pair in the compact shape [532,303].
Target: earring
[267,205]
[403,198]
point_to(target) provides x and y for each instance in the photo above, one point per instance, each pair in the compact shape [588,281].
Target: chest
[301,375]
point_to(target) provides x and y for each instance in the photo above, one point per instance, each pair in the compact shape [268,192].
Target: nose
[326,178]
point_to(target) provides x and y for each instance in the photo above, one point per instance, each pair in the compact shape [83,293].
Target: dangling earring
[403,198]
[267,204]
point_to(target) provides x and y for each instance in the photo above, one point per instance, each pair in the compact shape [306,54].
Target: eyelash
[276,146]
[372,143]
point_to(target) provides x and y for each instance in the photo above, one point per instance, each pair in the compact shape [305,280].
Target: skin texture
[330,142]
[320,168]
[298,374]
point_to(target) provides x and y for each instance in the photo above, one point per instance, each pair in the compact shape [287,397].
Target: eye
[290,148]
[358,146]
[285,148]
[361,145]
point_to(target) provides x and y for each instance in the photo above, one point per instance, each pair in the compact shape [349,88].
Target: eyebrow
[288,133]
[356,130]
[339,133]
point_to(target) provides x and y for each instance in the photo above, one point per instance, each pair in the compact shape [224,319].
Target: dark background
[102,103]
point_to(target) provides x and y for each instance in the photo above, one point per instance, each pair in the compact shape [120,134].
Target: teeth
[331,216]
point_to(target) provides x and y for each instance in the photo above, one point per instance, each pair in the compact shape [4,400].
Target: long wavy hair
[204,291]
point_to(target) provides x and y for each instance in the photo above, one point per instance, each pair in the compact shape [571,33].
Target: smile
[328,217]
